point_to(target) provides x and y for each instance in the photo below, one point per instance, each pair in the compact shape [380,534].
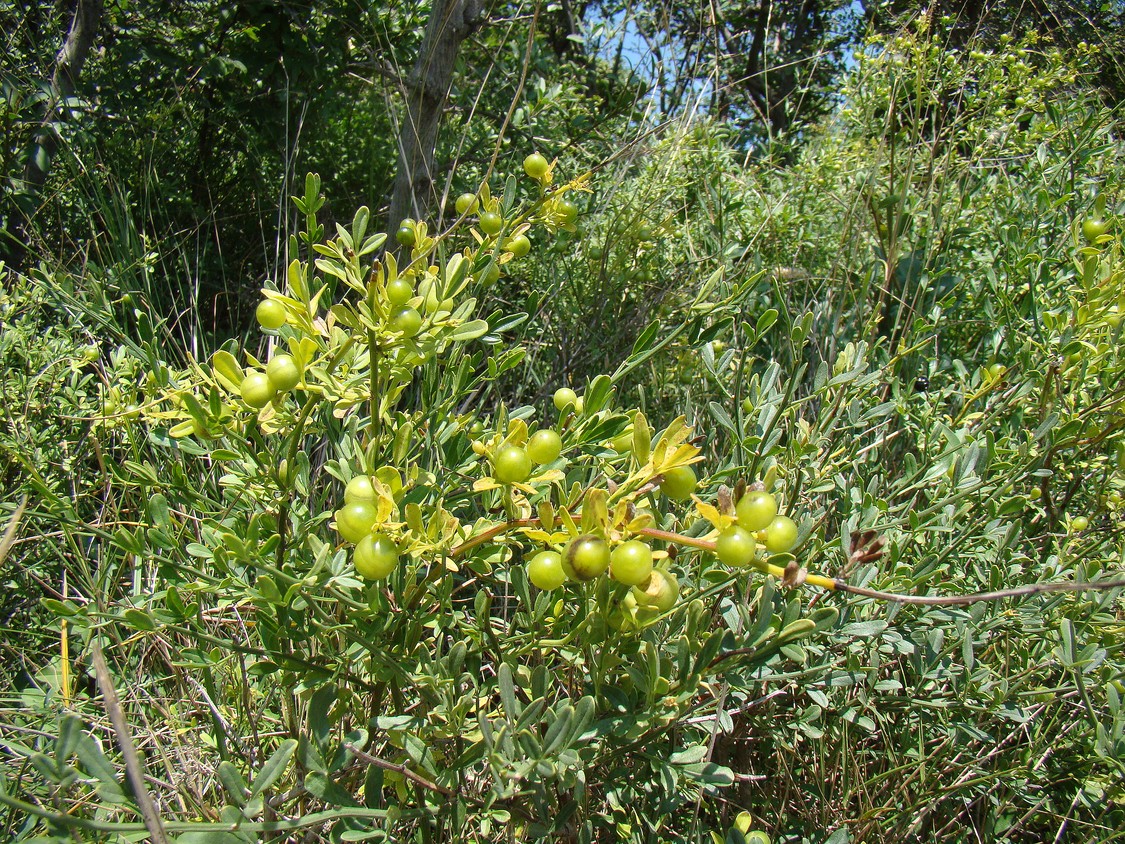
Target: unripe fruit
[511,465]
[585,557]
[623,442]
[659,592]
[257,390]
[355,520]
[399,291]
[545,570]
[565,397]
[375,556]
[283,372]
[567,211]
[736,547]
[1094,228]
[679,483]
[405,235]
[407,321]
[757,837]
[518,245]
[491,274]
[756,509]
[491,222]
[535,165]
[631,563]
[781,535]
[1079,523]
[467,203]
[270,314]
[359,488]
[544,446]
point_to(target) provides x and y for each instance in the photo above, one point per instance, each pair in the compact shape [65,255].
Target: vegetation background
[845,240]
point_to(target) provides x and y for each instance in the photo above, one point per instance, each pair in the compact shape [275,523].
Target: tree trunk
[68,68]
[64,84]
[451,21]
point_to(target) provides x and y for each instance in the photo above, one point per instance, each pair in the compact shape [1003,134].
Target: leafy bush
[390,549]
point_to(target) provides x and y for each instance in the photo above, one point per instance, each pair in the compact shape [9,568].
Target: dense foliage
[549,516]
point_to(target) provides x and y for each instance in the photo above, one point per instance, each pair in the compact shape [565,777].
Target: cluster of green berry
[282,373]
[758,530]
[376,554]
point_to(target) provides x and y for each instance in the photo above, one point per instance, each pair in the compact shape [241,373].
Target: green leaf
[765,322]
[274,767]
[598,394]
[227,371]
[559,730]
[689,756]
[209,836]
[507,689]
[712,774]
[90,754]
[646,340]
[70,733]
[318,713]
[158,511]
[469,331]
[63,609]
[321,786]
[720,415]
[863,629]
[139,620]
[233,782]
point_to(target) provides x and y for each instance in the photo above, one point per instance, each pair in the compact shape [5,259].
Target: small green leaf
[469,331]
[765,322]
[227,371]
[274,767]
[139,620]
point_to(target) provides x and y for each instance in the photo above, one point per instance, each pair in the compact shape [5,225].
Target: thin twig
[400,768]
[833,585]
[430,785]
[959,600]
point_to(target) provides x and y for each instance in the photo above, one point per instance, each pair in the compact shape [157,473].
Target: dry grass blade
[128,750]
[9,537]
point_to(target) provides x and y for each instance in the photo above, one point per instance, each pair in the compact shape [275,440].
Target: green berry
[535,166]
[283,372]
[375,556]
[544,446]
[491,222]
[467,203]
[257,390]
[270,314]
[545,570]
[511,465]
[631,563]
[736,547]
[781,535]
[679,483]
[565,397]
[756,509]
[585,557]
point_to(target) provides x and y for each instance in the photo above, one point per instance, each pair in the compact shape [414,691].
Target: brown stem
[959,600]
[450,22]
